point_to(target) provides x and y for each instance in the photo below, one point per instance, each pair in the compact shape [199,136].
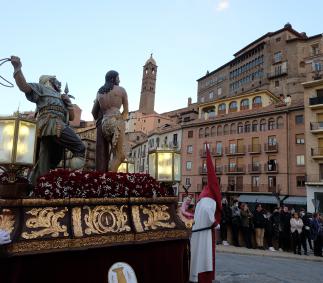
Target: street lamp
[17,145]
[165,165]
[126,167]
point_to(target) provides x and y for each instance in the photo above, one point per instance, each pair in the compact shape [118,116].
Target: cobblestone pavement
[262,268]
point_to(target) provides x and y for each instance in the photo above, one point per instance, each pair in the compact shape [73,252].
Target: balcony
[268,147]
[235,188]
[202,170]
[254,148]
[216,152]
[235,169]
[254,168]
[236,150]
[202,153]
[316,102]
[273,75]
[316,127]
[219,170]
[317,153]
[200,187]
[255,188]
[314,178]
[271,168]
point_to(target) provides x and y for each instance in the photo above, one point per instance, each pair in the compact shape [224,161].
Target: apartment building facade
[313,102]
[257,145]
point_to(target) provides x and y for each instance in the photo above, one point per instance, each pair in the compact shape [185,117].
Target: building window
[211,95]
[187,181]
[271,124]
[189,134]
[188,165]
[240,128]
[272,182]
[300,139]
[299,119]
[317,67]
[257,102]
[300,160]
[219,148]
[201,133]
[315,49]
[300,181]
[255,181]
[207,132]
[189,149]
[262,125]
[278,56]
[222,108]
[247,127]
[219,91]
[244,104]
[202,99]
[213,131]
[280,123]
[254,126]
[233,106]
[233,129]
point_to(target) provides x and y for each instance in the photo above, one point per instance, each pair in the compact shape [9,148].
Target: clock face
[121,272]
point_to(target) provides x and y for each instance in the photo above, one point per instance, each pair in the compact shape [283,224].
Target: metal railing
[234,169]
[271,147]
[236,150]
[254,148]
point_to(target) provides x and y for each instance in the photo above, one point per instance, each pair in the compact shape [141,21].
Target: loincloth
[112,127]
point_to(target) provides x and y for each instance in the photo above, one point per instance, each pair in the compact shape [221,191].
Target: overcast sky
[79,41]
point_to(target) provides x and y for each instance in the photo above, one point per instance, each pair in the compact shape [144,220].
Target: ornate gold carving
[157,217]
[77,222]
[7,220]
[104,219]
[46,219]
[30,247]
[136,218]
[161,235]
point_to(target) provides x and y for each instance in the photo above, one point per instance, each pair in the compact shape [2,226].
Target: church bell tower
[148,87]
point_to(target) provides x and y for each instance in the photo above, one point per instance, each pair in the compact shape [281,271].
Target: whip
[7,83]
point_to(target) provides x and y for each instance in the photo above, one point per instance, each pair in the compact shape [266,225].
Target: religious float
[82,227]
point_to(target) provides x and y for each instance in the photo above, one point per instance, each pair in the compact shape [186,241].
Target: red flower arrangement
[60,183]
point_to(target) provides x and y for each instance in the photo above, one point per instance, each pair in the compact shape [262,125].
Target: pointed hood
[212,189]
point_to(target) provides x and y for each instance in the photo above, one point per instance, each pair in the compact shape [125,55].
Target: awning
[296,200]
[258,199]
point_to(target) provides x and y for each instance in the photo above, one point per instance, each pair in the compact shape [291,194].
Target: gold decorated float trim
[47,221]
[29,247]
[106,219]
[158,216]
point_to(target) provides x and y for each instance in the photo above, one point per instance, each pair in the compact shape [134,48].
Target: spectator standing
[285,217]
[225,220]
[259,224]
[296,227]
[246,218]
[306,233]
[235,222]
[317,230]
[275,221]
[269,231]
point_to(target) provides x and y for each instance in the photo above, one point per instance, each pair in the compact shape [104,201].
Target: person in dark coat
[246,218]
[235,222]
[317,230]
[306,234]
[225,220]
[259,224]
[269,231]
[275,221]
[285,234]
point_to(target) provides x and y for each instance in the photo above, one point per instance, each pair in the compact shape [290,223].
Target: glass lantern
[17,142]
[126,167]
[165,165]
